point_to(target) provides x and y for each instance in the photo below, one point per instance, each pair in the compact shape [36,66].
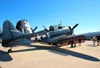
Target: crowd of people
[95,39]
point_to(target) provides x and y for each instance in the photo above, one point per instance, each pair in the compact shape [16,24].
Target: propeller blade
[34,29]
[75,26]
[45,29]
[69,28]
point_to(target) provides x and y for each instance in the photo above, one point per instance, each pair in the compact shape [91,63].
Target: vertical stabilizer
[10,33]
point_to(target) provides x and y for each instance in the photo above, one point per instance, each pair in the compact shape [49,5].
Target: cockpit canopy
[55,27]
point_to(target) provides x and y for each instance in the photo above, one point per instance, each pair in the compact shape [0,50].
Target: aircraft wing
[79,38]
[53,39]
[76,38]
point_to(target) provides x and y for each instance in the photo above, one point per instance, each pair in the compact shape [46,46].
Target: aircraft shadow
[62,51]
[4,56]
[75,54]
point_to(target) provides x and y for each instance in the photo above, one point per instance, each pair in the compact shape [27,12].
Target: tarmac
[39,55]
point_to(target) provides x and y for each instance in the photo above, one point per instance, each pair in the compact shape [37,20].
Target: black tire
[10,50]
[57,44]
[50,43]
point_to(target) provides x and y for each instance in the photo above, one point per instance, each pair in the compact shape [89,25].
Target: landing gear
[10,50]
[73,45]
[50,43]
[57,44]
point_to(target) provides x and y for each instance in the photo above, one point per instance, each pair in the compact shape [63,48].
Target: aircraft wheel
[10,50]
[50,43]
[57,44]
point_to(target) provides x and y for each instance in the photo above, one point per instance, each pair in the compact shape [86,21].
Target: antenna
[60,22]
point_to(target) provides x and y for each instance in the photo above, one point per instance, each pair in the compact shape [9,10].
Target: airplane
[11,36]
[54,30]
[22,32]
[58,40]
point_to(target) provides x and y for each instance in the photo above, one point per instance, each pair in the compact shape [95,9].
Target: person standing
[72,42]
[94,39]
[79,40]
[98,40]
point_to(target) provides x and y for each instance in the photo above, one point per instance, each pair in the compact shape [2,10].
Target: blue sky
[50,12]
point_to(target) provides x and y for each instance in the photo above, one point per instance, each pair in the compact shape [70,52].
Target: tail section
[10,33]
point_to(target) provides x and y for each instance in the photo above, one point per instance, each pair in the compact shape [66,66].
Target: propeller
[45,29]
[34,29]
[72,29]
[74,26]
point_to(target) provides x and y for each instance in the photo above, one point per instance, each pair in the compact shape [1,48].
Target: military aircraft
[57,39]
[12,37]
[53,31]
